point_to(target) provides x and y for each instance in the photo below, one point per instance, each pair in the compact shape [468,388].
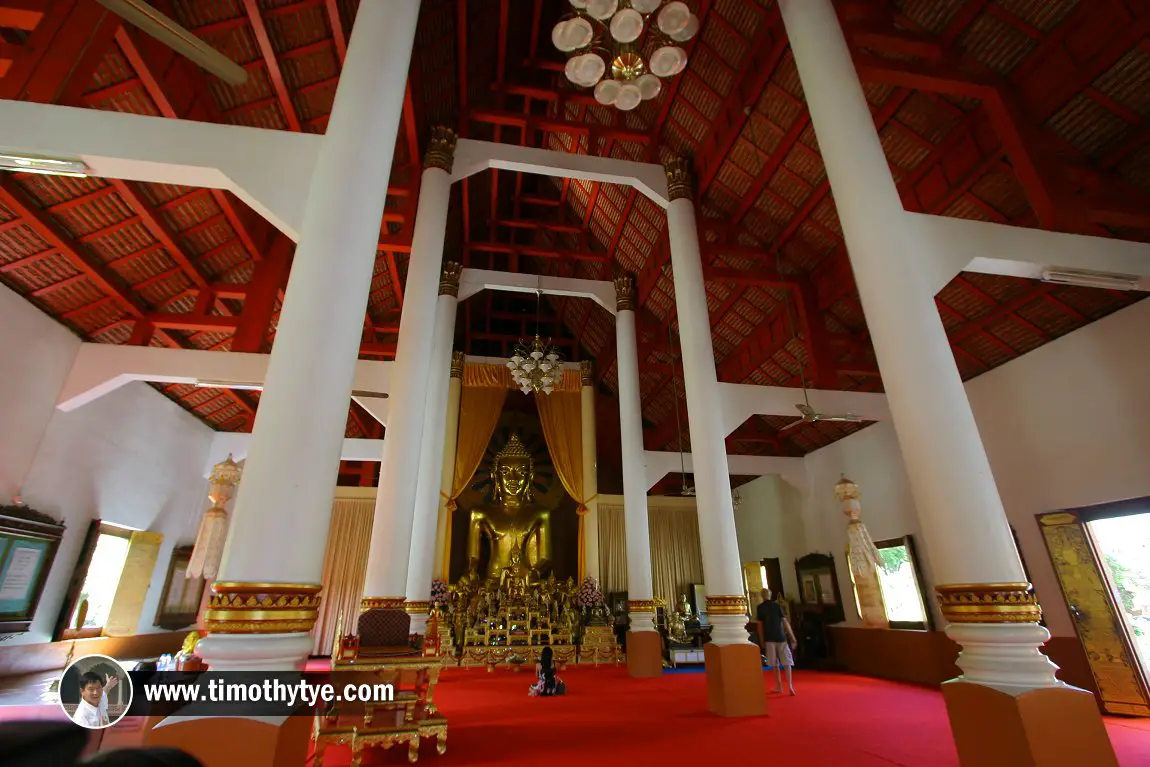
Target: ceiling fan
[810,415]
[150,21]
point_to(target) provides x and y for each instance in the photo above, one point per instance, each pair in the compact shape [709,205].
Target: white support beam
[660,464]
[270,170]
[741,401]
[378,407]
[959,245]
[102,368]
[236,445]
[472,157]
[473,281]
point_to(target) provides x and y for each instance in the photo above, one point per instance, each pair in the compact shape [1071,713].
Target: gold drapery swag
[560,413]
[480,406]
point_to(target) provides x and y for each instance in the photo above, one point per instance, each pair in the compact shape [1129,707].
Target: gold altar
[509,624]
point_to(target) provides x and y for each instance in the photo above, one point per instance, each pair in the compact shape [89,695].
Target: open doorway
[1123,546]
[1101,556]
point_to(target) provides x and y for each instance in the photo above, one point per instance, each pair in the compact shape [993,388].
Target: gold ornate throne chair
[381,632]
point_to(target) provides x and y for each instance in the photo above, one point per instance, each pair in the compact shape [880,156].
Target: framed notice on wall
[28,542]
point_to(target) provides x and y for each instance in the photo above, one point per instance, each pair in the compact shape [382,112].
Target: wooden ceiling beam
[259,29]
[54,235]
[1033,150]
[23,15]
[529,123]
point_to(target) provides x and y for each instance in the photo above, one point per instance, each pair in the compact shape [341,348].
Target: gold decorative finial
[449,279]
[441,149]
[845,490]
[457,361]
[679,181]
[513,448]
[586,372]
[226,472]
[625,293]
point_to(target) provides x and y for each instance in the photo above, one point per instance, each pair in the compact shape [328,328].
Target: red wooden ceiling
[1029,112]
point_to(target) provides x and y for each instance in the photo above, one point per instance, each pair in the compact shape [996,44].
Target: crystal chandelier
[613,47]
[536,366]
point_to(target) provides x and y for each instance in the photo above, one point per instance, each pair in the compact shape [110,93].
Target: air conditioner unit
[1085,278]
[46,166]
[246,386]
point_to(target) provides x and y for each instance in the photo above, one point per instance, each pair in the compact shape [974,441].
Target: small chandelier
[612,47]
[536,366]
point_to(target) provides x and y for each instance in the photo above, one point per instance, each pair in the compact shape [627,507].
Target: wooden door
[1096,619]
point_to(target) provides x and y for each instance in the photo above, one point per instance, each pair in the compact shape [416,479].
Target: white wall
[1065,426]
[768,522]
[132,458]
[35,356]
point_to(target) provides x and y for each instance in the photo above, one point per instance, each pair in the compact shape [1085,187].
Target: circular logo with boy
[95,691]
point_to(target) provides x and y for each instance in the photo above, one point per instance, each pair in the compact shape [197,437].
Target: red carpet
[607,718]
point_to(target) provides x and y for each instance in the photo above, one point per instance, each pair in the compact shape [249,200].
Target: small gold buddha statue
[511,522]
[684,609]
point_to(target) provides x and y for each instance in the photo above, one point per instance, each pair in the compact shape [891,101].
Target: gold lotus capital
[625,293]
[680,181]
[449,279]
[441,149]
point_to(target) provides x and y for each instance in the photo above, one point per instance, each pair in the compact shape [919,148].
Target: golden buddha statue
[511,522]
[684,608]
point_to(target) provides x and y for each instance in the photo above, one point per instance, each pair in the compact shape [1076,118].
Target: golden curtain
[480,405]
[612,548]
[344,568]
[676,555]
[560,413]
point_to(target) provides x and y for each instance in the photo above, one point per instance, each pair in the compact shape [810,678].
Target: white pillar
[962,518]
[423,529]
[386,581]
[640,591]
[450,439]
[590,471]
[726,602]
[278,534]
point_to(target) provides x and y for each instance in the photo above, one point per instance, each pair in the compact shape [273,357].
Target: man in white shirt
[92,712]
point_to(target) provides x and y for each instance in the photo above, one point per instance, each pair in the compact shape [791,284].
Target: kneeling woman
[549,683]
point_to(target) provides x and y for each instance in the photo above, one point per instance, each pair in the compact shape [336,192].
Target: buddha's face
[514,477]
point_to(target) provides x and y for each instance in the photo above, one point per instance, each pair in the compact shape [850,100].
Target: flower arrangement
[589,594]
[439,592]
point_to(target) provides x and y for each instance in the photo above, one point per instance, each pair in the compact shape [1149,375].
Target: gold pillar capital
[441,149]
[449,279]
[989,603]
[625,293]
[457,361]
[680,181]
[586,373]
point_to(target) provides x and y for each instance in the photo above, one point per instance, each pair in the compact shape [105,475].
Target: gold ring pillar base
[1045,727]
[261,608]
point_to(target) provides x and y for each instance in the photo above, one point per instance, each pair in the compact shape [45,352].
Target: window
[100,567]
[901,584]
